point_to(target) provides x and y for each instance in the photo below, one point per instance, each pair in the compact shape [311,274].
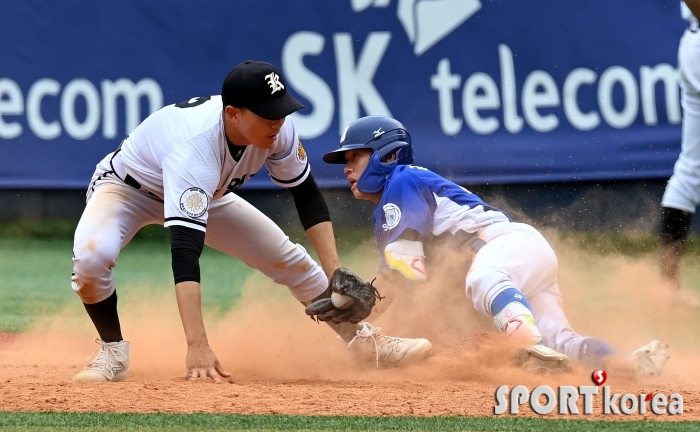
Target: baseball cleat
[650,359]
[540,358]
[111,363]
[387,350]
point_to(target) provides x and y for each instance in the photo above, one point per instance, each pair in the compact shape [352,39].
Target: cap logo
[378,132]
[273,80]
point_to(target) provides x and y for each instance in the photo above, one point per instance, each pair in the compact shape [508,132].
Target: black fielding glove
[364,295]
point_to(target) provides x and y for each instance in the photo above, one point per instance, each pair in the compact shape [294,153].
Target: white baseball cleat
[111,363]
[650,359]
[541,358]
[386,350]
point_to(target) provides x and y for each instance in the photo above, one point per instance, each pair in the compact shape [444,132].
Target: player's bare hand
[202,363]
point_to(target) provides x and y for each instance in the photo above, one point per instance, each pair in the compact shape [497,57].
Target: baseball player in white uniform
[177,169]
[513,275]
[682,193]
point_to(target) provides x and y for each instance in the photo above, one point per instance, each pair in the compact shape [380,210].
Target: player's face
[356,162]
[255,130]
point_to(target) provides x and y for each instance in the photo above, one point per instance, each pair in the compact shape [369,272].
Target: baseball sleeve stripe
[185,222]
[295,179]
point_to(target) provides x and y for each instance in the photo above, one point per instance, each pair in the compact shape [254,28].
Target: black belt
[127,178]
[132,182]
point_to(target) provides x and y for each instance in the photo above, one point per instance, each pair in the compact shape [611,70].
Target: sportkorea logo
[426,22]
[194,202]
[273,80]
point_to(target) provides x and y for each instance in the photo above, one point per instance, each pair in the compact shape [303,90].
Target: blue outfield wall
[492,91]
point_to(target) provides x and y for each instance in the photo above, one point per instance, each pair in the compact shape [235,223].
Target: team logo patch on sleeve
[301,153]
[194,202]
[392,214]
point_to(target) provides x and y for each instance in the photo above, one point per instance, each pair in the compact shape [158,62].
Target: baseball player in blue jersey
[513,275]
[178,169]
[682,194]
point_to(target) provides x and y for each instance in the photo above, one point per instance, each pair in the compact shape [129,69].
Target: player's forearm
[694,6]
[189,303]
[323,241]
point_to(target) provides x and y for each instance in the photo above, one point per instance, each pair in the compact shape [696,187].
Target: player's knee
[92,262]
[482,286]
[487,280]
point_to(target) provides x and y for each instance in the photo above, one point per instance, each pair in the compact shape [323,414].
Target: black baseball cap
[259,87]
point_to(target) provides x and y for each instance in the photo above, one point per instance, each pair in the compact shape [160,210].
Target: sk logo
[273,80]
[426,22]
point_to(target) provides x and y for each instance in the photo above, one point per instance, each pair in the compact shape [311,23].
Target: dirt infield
[433,388]
[283,363]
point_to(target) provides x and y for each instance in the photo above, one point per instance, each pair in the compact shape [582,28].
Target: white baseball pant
[683,188]
[116,211]
[516,255]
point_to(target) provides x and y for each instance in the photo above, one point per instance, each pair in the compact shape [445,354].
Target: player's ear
[232,113]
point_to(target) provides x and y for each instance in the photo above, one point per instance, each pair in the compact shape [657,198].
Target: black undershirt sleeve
[186,246]
[310,203]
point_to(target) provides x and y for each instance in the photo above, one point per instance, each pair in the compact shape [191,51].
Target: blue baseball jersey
[416,198]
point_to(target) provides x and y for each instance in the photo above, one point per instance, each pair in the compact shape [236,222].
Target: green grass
[36,277]
[632,245]
[36,267]
[230,422]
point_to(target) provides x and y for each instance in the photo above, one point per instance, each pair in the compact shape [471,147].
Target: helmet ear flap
[374,177]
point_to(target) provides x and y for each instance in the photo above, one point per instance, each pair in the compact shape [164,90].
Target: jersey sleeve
[287,164]
[408,204]
[190,175]
[407,207]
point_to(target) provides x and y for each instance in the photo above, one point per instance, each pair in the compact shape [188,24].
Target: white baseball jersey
[687,15]
[683,188]
[418,199]
[184,165]
[181,155]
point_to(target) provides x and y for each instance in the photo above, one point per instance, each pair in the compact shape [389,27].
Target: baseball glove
[345,282]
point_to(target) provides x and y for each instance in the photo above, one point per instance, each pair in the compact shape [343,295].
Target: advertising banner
[491,91]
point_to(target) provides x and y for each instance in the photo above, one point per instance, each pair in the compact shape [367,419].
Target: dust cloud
[267,336]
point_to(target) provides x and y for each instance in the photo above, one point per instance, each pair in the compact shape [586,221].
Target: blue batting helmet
[384,136]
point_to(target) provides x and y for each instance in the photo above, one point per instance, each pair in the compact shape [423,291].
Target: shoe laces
[369,331]
[108,357]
